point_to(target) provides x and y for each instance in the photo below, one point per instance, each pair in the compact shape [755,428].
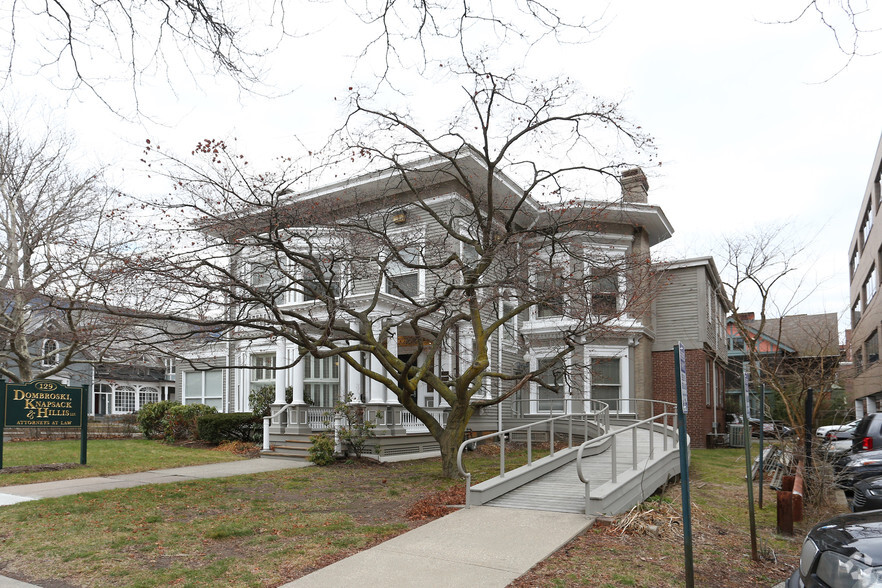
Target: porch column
[422,387]
[871,405]
[281,383]
[858,409]
[377,391]
[446,362]
[392,346]
[354,381]
[298,373]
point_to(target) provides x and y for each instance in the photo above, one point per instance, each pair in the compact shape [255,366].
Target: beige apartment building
[865,260]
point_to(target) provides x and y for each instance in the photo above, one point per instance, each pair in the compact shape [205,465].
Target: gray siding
[679,309]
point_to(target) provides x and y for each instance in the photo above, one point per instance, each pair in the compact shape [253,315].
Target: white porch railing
[598,413]
[411,424]
[668,422]
[320,418]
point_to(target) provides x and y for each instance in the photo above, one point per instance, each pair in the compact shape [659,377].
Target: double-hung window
[265,276]
[604,291]
[204,388]
[327,285]
[403,273]
[551,392]
[262,370]
[606,381]
[551,289]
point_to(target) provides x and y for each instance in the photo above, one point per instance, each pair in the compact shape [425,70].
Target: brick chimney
[635,187]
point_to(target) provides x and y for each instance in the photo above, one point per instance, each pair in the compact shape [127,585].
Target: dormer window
[49,353]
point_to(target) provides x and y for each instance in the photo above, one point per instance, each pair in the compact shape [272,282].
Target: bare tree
[110,47]
[787,352]
[59,238]
[853,26]
[417,272]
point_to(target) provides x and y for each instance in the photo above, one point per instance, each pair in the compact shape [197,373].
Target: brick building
[691,309]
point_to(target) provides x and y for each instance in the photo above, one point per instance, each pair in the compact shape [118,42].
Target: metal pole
[747,461]
[762,477]
[84,423]
[2,416]
[679,371]
[809,409]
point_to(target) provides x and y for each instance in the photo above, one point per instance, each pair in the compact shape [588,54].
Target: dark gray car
[843,551]
[868,435]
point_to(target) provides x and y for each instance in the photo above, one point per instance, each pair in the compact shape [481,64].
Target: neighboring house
[120,379]
[120,388]
[802,349]
[614,366]
[865,261]
[691,309]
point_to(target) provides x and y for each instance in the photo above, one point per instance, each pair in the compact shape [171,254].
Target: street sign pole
[84,424]
[745,372]
[2,416]
[682,411]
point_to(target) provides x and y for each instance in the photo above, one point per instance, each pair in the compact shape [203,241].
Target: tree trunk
[449,441]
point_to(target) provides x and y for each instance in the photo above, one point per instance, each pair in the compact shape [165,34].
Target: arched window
[146,395]
[124,399]
[49,351]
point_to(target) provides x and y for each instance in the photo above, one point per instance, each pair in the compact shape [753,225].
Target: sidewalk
[482,546]
[25,492]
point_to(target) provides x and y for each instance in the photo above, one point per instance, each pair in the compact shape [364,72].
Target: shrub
[261,399]
[321,452]
[151,418]
[355,429]
[234,426]
[180,421]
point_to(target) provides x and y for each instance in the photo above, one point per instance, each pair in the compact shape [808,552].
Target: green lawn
[104,457]
[256,530]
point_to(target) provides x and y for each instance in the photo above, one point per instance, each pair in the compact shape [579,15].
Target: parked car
[843,551]
[770,429]
[867,494]
[833,450]
[868,434]
[840,434]
[857,466]
[822,431]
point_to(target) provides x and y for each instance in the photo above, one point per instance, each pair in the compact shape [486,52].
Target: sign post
[682,411]
[745,372]
[44,403]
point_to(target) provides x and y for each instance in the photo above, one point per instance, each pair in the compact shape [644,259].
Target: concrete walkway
[14,494]
[481,546]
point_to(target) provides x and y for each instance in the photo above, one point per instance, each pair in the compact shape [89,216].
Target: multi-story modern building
[865,261]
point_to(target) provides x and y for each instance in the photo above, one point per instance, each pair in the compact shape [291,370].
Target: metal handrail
[612,404]
[599,415]
[267,420]
[668,432]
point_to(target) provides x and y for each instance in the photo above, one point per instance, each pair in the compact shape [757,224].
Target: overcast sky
[750,130]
